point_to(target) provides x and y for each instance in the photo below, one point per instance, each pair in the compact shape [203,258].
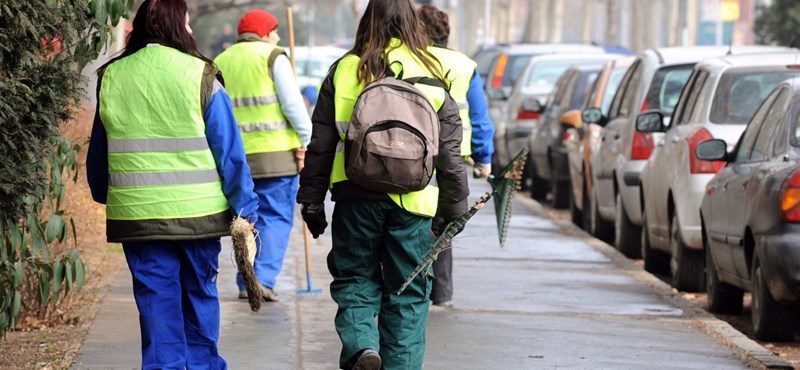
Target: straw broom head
[244,249]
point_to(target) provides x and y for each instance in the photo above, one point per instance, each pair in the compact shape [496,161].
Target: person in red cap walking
[275,129]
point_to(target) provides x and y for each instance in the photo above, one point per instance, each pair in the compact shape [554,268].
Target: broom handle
[307,242]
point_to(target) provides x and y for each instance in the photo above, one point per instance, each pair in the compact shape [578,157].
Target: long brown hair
[382,21]
[163,22]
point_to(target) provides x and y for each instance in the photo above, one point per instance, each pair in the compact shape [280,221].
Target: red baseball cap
[257,21]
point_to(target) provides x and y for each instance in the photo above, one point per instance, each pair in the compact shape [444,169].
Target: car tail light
[642,145]
[499,70]
[566,136]
[790,198]
[523,114]
[645,105]
[697,165]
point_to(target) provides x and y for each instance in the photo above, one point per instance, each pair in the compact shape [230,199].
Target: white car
[654,81]
[720,98]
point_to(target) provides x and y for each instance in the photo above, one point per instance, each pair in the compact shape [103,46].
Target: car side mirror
[572,118]
[650,121]
[593,115]
[712,150]
[531,105]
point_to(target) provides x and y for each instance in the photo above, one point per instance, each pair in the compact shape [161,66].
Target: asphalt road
[552,298]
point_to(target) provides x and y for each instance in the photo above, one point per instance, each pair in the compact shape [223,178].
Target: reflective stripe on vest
[460,70]
[159,162]
[262,124]
[423,202]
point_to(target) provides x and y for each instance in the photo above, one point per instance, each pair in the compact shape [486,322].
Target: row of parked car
[688,158]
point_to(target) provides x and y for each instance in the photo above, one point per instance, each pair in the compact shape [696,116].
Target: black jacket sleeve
[451,171]
[315,176]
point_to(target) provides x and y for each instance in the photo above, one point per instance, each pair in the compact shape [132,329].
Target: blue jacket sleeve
[482,126]
[226,146]
[97,161]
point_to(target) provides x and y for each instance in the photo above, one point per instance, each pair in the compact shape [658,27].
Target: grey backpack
[393,137]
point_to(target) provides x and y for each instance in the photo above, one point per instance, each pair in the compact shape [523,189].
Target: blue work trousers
[276,199]
[175,287]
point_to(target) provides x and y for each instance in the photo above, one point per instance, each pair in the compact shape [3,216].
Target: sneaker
[269,294]
[367,359]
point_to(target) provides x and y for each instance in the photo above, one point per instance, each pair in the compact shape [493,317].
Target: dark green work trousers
[376,245]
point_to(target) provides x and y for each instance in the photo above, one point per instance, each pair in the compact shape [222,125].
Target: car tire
[687,266]
[627,236]
[769,317]
[575,214]
[561,193]
[655,261]
[538,185]
[586,220]
[722,297]
[600,228]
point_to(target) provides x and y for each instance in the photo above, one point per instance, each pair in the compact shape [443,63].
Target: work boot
[367,359]
[268,294]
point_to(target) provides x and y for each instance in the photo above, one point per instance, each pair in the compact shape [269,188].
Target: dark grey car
[750,217]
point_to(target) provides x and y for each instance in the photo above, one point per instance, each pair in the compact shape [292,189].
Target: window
[745,145]
[686,105]
[617,108]
[773,120]
[666,87]
[611,87]
[740,92]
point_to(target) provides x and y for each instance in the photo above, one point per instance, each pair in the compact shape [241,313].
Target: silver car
[653,82]
[720,98]
[506,67]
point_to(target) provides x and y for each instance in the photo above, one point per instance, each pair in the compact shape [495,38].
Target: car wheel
[538,185]
[722,297]
[561,193]
[600,228]
[587,214]
[627,236]
[769,317]
[687,266]
[655,261]
[575,214]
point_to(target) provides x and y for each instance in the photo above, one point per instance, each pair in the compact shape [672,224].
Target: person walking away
[477,143]
[166,159]
[275,128]
[379,238]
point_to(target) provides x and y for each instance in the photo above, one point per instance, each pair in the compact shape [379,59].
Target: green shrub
[44,44]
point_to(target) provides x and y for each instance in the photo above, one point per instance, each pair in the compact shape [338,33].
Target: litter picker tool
[503,186]
[307,241]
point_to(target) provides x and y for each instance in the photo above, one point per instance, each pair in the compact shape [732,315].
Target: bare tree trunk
[588,17]
[557,29]
[674,29]
[612,31]
[529,33]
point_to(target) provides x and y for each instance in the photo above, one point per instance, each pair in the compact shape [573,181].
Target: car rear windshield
[740,93]
[545,74]
[514,66]
[666,88]
[484,60]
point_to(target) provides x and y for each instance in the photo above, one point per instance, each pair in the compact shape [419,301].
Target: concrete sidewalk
[553,298]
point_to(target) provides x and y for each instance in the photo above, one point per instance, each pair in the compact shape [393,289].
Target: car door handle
[616,137]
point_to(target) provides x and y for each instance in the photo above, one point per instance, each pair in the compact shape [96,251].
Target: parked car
[312,64]
[548,154]
[654,81]
[720,98]
[484,57]
[505,68]
[580,142]
[751,217]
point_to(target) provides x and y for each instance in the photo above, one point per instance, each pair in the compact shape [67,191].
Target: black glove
[314,216]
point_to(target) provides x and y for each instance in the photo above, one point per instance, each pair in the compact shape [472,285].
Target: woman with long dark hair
[166,158]
[379,238]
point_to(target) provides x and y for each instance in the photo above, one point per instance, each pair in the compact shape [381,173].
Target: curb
[750,351]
